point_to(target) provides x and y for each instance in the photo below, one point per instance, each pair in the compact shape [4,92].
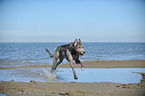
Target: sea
[33,53]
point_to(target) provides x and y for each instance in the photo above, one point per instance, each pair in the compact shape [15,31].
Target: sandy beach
[33,88]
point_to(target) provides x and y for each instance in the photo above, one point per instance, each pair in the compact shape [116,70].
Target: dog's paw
[75,77]
[82,69]
[40,73]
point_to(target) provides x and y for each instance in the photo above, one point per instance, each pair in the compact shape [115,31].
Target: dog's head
[79,47]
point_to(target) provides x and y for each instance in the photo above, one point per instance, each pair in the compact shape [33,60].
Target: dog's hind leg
[60,61]
[55,58]
[70,59]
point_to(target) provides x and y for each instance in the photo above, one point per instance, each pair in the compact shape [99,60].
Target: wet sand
[33,88]
[92,64]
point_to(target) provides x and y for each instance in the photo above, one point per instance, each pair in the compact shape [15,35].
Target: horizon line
[68,42]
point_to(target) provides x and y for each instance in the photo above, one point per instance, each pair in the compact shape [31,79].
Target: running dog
[71,52]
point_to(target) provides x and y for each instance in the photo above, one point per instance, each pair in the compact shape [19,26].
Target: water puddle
[118,75]
[2,94]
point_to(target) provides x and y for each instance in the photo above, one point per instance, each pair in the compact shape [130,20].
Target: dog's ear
[80,41]
[75,43]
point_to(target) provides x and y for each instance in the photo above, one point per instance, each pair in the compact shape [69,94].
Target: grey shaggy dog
[71,52]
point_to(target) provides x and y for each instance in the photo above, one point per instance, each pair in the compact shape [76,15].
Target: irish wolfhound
[71,52]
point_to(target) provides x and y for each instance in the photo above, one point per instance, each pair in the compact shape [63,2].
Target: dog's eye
[79,47]
[82,47]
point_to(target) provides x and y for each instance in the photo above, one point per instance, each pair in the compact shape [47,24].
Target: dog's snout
[84,52]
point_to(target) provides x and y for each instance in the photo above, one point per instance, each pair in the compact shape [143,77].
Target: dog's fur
[71,52]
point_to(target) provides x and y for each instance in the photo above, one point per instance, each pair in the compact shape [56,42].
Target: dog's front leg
[82,67]
[79,62]
[71,64]
[70,59]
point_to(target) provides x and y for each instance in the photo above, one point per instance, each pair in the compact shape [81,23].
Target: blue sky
[66,20]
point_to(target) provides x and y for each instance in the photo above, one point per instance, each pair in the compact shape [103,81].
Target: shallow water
[118,75]
[2,94]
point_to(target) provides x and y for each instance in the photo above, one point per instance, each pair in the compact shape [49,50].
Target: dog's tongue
[82,53]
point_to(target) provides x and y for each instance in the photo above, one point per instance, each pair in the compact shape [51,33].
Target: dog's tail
[49,53]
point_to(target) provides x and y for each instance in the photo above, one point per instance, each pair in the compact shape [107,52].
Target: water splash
[50,77]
